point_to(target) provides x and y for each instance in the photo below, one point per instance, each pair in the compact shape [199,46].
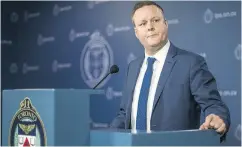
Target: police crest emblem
[27,128]
[96,58]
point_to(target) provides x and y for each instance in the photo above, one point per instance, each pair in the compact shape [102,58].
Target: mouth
[153,35]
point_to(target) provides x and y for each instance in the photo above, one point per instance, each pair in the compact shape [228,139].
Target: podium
[111,137]
[60,117]
[53,117]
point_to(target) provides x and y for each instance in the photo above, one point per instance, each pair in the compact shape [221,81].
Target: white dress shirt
[160,57]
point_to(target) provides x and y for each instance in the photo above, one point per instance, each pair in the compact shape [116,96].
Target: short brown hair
[145,3]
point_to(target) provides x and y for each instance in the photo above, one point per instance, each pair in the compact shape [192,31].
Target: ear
[166,23]
[135,31]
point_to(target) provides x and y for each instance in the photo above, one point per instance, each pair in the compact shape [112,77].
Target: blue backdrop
[73,44]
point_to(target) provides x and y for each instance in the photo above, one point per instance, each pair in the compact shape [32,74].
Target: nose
[150,26]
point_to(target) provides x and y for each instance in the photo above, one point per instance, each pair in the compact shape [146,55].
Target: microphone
[113,69]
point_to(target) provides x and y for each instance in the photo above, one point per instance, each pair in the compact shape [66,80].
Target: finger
[217,124]
[209,118]
[213,123]
[221,129]
[202,127]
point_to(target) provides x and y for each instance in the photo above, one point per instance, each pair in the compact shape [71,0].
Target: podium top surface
[138,132]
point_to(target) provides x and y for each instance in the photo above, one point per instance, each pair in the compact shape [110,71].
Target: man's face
[150,27]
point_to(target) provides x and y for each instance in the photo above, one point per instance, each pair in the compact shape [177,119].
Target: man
[168,88]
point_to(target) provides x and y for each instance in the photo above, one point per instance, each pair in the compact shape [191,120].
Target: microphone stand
[101,81]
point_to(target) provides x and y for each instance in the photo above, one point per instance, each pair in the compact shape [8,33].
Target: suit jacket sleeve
[204,90]
[119,121]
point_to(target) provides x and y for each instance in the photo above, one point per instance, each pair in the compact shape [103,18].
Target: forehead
[147,12]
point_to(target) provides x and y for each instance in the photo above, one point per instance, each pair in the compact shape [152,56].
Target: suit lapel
[167,68]
[134,69]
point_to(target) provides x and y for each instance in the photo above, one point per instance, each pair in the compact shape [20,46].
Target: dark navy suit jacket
[186,90]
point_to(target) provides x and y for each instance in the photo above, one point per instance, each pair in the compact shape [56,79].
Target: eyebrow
[155,17]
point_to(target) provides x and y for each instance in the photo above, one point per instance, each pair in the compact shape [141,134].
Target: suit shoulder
[189,56]
[136,61]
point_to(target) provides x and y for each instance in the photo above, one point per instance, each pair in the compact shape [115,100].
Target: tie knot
[150,61]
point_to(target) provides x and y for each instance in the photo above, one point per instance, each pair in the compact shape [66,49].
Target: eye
[156,20]
[142,24]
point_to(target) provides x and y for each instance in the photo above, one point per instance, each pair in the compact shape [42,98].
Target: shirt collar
[161,53]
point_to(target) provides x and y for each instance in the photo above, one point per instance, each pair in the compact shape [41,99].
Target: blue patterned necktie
[143,97]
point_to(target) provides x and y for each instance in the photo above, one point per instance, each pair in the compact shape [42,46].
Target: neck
[153,50]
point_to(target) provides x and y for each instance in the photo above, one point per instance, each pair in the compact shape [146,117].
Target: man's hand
[214,122]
